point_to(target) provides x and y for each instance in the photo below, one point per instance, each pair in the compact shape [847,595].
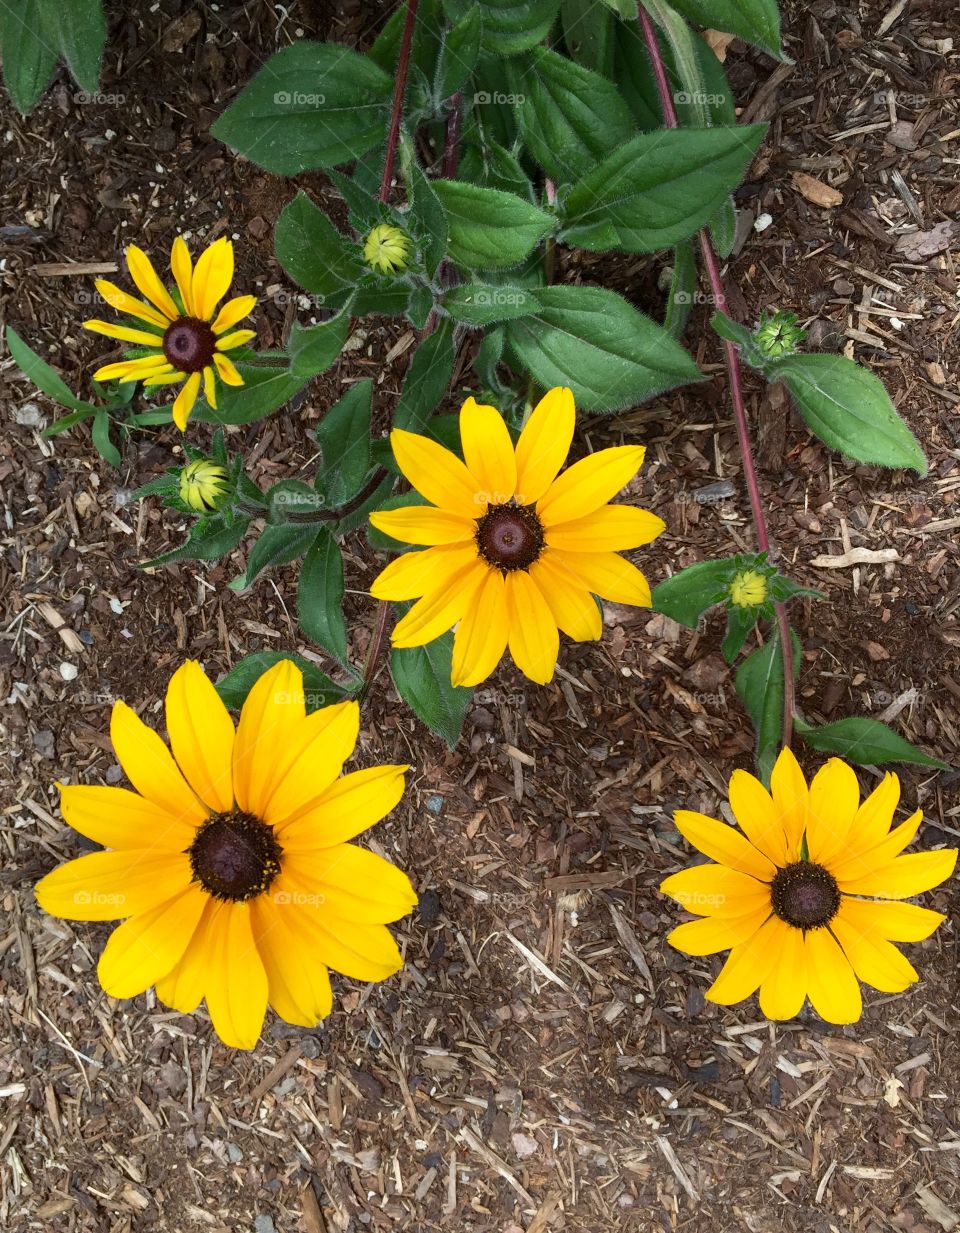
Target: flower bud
[203,485]
[778,335]
[387,249]
[748,589]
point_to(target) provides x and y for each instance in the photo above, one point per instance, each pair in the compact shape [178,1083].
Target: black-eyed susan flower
[203,485]
[230,863]
[387,249]
[184,338]
[515,550]
[807,895]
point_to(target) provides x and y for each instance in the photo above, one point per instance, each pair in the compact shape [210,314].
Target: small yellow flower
[203,483]
[186,345]
[387,249]
[807,895]
[516,550]
[230,864]
[748,589]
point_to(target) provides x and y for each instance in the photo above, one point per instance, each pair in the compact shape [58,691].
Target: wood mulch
[544,1061]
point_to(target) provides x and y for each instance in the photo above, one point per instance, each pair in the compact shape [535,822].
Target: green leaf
[492,166]
[593,341]
[512,26]
[313,348]
[756,21]
[344,439]
[740,621]
[723,228]
[571,118]
[658,188]
[730,330]
[489,227]
[867,742]
[320,596]
[489,355]
[209,539]
[277,545]
[28,51]
[236,684]
[849,409]
[422,677]
[427,381]
[264,390]
[101,438]
[311,105]
[588,35]
[480,304]
[419,307]
[386,543]
[783,589]
[426,213]
[314,253]
[683,289]
[68,421]
[44,377]
[759,683]
[292,501]
[81,31]
[459,52]
[687,595]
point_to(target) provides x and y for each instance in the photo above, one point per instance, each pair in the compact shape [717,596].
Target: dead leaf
[816,191]
[923,244]
[718,42]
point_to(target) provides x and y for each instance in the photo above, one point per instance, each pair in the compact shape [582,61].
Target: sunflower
[516,551]
[185,338]
[808,898]
[230,862]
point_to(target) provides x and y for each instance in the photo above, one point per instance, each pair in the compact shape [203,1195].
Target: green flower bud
[203,485]
[778,334]
[387,249]
[748,589]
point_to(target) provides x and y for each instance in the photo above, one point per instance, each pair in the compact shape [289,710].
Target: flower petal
[609,576]
[233,311]
[226,369]
[531,630]
[488,451]
[185,400]
[875,816]
[424,524]
[790,799]
[544,444]
[351,805]
[149,285]
[784,988]
[271,722]
[441,609]
[112,885]
[118,818]
[833,805]
[715,890]
[145,948]
[201,736]
[710,934]
[437,474]
[124,303]
[748,964]
[415,573]
[350,883]
[210,386]
[236,980]
[612,528]
[124,333]
[895,921]
[183,986]
[150,767]
[134,370]
[861,862]
[757,816]
[298,983]
[162,377]
[481,636]
[309,764]
[231,341]
[574,609]
[724,844]
[181,266]
[589,483]
[363,952]
[874,959]
[212,277]
[831,983]
[903,877]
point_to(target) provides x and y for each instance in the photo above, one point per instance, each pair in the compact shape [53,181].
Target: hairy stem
[734,373]
[399,90]
[451,144]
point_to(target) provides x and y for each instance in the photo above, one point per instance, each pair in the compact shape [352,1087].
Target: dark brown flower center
[189,344]
[510,536]
[805,895]
[235,856]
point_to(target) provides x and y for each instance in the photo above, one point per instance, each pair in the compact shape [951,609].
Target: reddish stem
[451,145]
[734,373]
[399,90]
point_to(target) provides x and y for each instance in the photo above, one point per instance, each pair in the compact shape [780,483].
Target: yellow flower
[806,898]
[202,484]
[186,344]
[387,249]
[516,551]
[748,589]
[230,862]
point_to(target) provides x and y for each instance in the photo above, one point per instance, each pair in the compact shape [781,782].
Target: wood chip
[856,556]
[816,191]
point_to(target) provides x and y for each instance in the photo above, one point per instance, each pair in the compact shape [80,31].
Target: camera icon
[282,98]
[481,97]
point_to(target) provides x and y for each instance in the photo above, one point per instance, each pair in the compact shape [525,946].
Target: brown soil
[544,1061]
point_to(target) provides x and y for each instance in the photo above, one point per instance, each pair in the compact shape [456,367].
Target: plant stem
[399,90]
[734,373]
[451,144]
[373,651]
